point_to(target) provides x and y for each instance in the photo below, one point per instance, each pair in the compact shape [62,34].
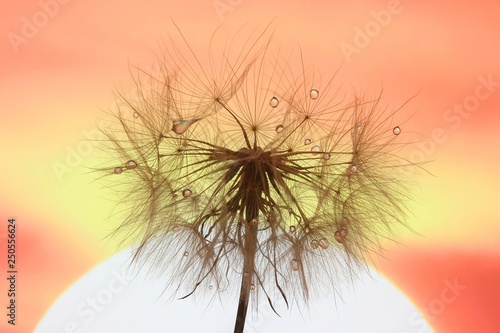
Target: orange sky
[54,83]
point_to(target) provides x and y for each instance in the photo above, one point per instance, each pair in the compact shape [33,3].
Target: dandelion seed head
[264,205]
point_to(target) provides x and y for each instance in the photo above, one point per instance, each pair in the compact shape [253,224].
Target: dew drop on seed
[359,129]
[314,94]
[338,237]
[252,286]
[210,287]
[354,169]
[294,264]
[307,142]
[186,254]
[186,193]
[136,114]
[323,243]
[314,244]
[274,102]
[396,130]
[292,228]
[181,126]
[343,232]
[326,156]
[315,149]
[279,128]
[175,196]
[118,170]
[131,165]
[254,221]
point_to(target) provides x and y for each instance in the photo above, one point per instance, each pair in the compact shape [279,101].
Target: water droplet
[292,228]
[279,128]
[175,196]
[354,169]
[315,149]
[131,165]
[307,142]
[252,286]
[181,126]
[274,102]
[343,231]
[326,156]
[314,94]
[294,264]
[186,193]
[186,254]
[290,210]
[210,287]
[254,221]
[396,130]
[136,114]
[323,243]
[360,129]
[314,244]
[338,237]
[118,170]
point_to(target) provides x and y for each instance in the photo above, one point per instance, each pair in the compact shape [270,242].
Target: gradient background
[53,87]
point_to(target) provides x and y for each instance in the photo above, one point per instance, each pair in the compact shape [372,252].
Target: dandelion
[244,173]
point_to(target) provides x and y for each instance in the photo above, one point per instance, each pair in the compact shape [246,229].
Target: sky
[61,61]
